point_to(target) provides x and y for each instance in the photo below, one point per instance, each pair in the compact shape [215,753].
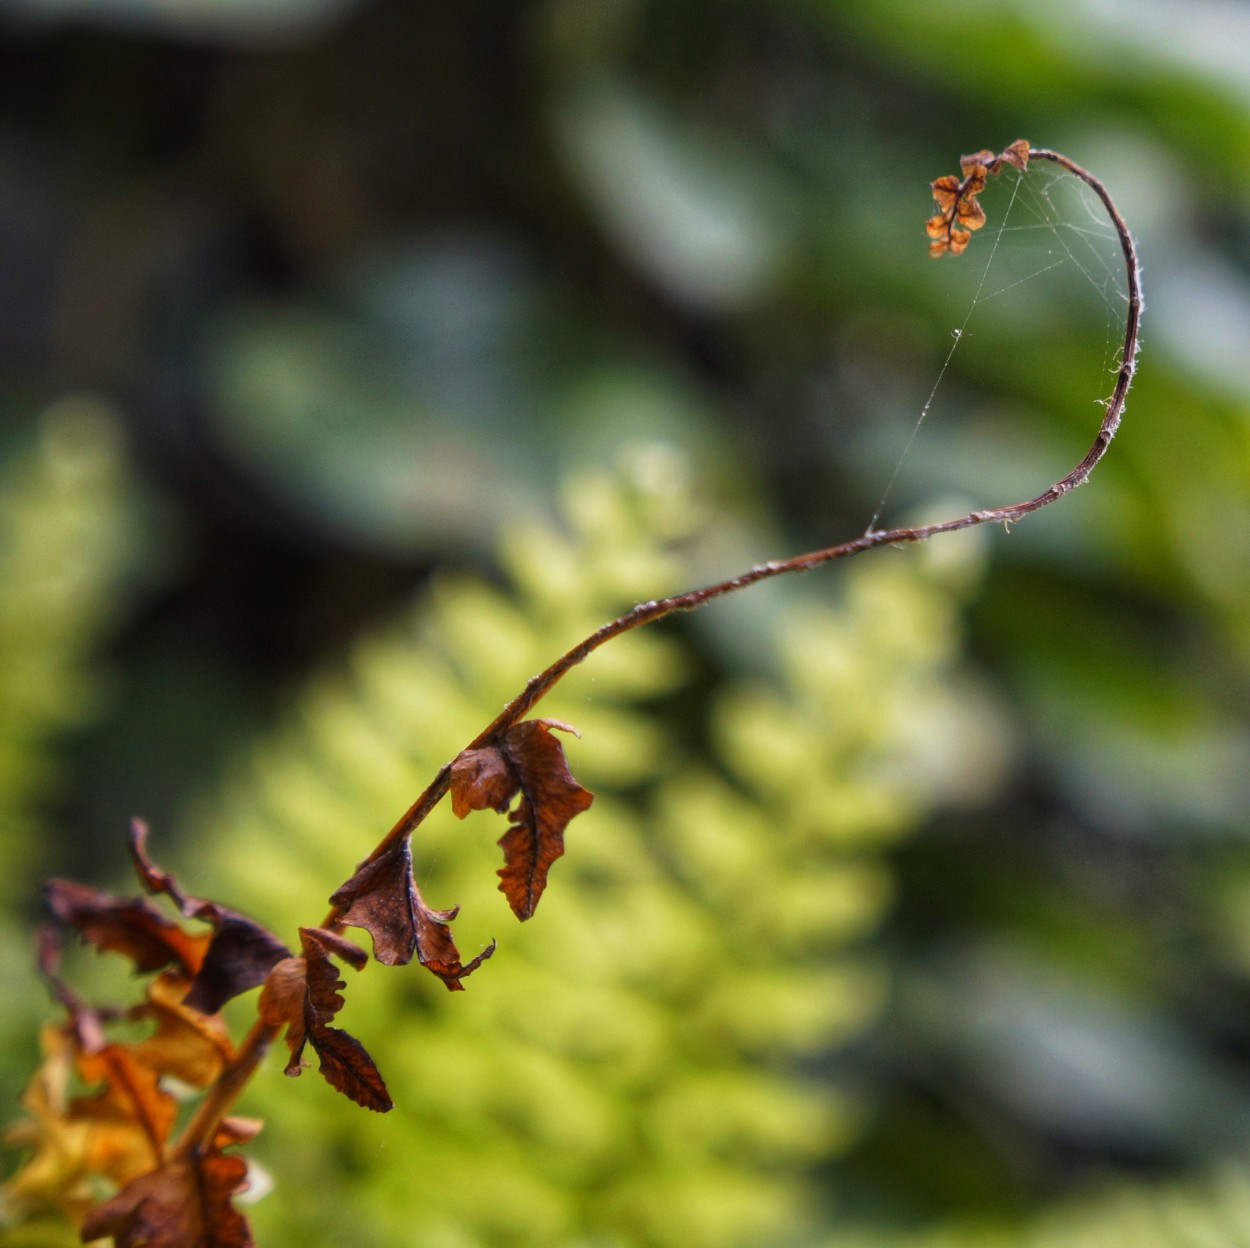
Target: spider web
[1051,272]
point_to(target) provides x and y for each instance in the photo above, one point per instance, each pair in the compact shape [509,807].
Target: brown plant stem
[198,1133]
[648,612]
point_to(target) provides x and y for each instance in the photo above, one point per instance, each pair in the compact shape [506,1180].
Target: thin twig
[199,1132]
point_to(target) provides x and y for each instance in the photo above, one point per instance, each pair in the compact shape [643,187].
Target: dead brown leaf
[130,926]
[527,759]
[303,994]
[383,898]
[240,952]
[182,1204]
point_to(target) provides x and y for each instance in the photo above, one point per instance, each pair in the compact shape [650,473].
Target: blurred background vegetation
[358,355]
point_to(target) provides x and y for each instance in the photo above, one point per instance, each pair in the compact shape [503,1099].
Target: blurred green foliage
[369,281]
[1215,1211]
[67,538]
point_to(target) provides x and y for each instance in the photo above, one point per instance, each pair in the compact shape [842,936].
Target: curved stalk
[648,612]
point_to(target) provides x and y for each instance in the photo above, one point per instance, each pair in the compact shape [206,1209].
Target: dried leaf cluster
[118,1131]
[959,210]
[179,1193]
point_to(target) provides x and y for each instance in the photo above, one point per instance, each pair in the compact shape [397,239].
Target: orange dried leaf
[129,1121]
[240,952]
[977,160]
[117,1132]
[187,1044]
[55,1175]
[946,191]
[971,215]
[383,898]
[129,926]
[184,1204]
[533,761]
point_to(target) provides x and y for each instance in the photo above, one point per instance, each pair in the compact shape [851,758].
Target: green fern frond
[66,536]
[627,1069]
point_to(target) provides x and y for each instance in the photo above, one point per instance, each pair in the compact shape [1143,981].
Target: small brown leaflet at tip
[1016,154]
[303,995]
[183,1204]
[982,160]
[383,898]
[527,759]
[959,212]
[240,952]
